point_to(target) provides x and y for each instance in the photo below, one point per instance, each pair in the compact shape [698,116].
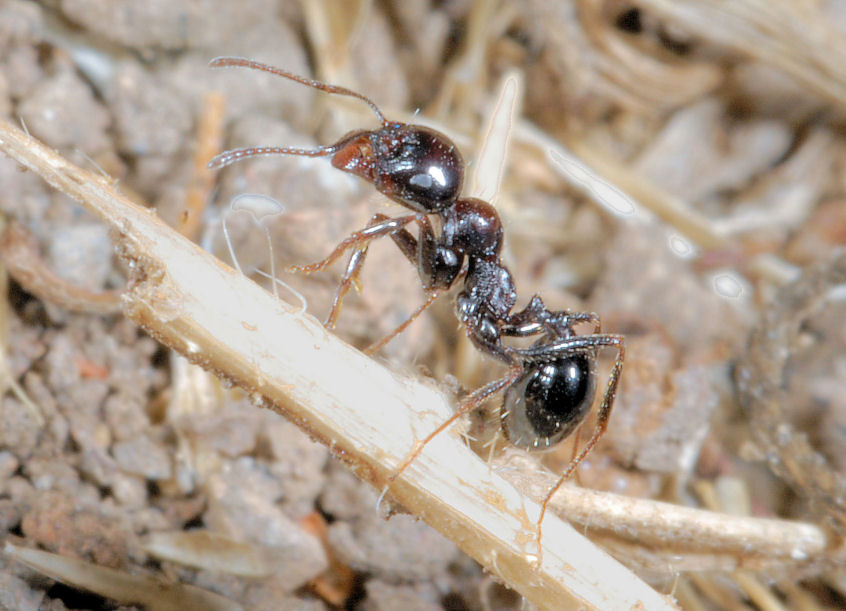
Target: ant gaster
[550,385]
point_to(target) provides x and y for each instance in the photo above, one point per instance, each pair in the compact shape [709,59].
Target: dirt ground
[706,224]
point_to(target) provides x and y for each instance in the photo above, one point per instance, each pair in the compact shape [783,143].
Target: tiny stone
[143,456]
[20,431]
[129,491]
[247,514]
[62,111]
[49,474]
[82,255]
[10,515]
[402,548]
[8,465]
[386,597]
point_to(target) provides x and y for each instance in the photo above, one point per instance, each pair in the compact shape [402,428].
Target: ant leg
[407,244]
[565,321]
[351,274]
[528,321]
[604,413]
[356,239]
[535,319]
[466,405]
[430,299]
[416,252]
[350,278]
[576,439]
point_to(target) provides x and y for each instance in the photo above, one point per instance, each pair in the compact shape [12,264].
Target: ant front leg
[401,237]
[359,238]
[379,226]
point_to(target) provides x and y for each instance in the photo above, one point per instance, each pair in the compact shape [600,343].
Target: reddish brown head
[413,165]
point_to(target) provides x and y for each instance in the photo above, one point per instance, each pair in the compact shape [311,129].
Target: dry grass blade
[140,589]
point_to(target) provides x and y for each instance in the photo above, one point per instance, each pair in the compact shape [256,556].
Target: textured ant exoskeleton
[550,385]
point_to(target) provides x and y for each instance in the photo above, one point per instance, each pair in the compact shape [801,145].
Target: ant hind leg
[464,407]
[603,415]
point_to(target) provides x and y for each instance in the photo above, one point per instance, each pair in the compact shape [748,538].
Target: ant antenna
[220,62]
[228,157]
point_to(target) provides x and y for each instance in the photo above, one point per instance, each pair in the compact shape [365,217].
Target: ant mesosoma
[550,385]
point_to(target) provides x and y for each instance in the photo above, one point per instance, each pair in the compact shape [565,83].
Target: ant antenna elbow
[222,62]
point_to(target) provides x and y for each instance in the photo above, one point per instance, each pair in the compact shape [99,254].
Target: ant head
[413,165]
[549,401]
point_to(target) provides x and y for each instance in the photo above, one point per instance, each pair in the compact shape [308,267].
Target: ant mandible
[549,386]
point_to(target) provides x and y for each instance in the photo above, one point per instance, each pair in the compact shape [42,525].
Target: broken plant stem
[675,530]
[21,254]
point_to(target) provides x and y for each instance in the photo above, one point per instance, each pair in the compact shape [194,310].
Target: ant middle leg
[435,276]
[430,299]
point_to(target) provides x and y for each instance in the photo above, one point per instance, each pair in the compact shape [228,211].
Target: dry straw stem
[681,537]
[21,255]
[617,187]
[120,585]
[368,415]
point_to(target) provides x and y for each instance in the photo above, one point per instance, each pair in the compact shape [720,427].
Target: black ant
[550,385]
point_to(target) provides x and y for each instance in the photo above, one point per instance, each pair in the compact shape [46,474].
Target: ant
[550,386]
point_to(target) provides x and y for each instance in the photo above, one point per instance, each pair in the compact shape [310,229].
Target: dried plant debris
[795,341]
[710,135]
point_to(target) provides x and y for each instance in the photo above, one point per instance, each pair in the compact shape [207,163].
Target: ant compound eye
[418,167]
[548,402]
